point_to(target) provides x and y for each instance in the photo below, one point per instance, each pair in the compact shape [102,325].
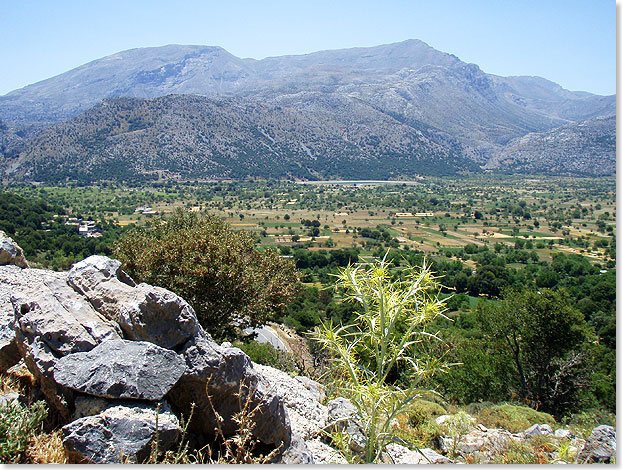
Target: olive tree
[230,283]
[544,335]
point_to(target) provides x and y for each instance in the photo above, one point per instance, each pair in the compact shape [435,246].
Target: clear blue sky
[571,42]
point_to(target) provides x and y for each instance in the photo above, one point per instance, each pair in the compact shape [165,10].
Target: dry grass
[10,384]
[46,448]
[239,448]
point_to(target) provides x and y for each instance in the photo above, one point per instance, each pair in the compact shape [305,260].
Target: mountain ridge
[411,84]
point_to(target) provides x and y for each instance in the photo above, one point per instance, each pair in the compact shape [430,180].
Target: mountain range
[387,111]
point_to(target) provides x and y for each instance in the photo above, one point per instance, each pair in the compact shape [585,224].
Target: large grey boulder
[10,252]
[144,312]
[342,417]
[93,333]
[50,320]
[222,381]
[121,369]
[122,433]
[47,307]
[307,415]
[9,355]
[600,447]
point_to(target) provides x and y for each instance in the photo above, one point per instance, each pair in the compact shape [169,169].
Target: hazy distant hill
[587,148]
[410,85]
[198,137]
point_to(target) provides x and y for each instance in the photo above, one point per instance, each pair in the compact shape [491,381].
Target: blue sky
[571,42]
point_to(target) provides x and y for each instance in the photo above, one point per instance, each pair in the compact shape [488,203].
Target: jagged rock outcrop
[221,379]
[600,447]
[10,252]
[301,397]
[104,350]
[144,312]
[122,433]
[121,369]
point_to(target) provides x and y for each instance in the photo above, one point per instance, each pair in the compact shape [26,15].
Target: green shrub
[584,422]
[220,272]
[267,355]
[514,418]
[17,423]
[424,410]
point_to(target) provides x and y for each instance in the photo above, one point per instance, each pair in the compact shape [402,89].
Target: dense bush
[230,284]
[544,336]
[514,418]
[268,355]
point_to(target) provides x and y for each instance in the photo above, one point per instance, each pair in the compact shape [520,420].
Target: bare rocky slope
[408,86]
[183,136]
[587,148]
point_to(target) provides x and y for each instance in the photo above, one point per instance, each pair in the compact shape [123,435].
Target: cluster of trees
[551,346]
[541,332]
[47,240]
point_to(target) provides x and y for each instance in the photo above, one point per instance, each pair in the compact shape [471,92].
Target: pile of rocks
[482,445]
[108,353]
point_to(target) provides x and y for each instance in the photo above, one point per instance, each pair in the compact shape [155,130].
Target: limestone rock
[297,453]
[476,442]
[600,447]
[51,320]
[10,252]
[306,414]
[323,453]
[144,312]
[342,418]
[13,398]
[538,430]
[317,390]
[227,375]
[402,455]
[440,420]
[340,410]
[48,308]
[86,405]
[9,355]
[563,434]
[120,434]
[121,369]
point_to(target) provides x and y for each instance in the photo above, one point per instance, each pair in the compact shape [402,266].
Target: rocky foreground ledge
[110,355]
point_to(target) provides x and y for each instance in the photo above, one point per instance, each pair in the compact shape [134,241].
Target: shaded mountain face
[408,86]
[183,136]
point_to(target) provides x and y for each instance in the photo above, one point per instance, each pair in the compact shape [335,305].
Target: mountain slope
[383,94]
[143,72]
[586,148]
[212,71]
[183,136]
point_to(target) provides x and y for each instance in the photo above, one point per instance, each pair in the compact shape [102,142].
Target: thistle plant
[387,335]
